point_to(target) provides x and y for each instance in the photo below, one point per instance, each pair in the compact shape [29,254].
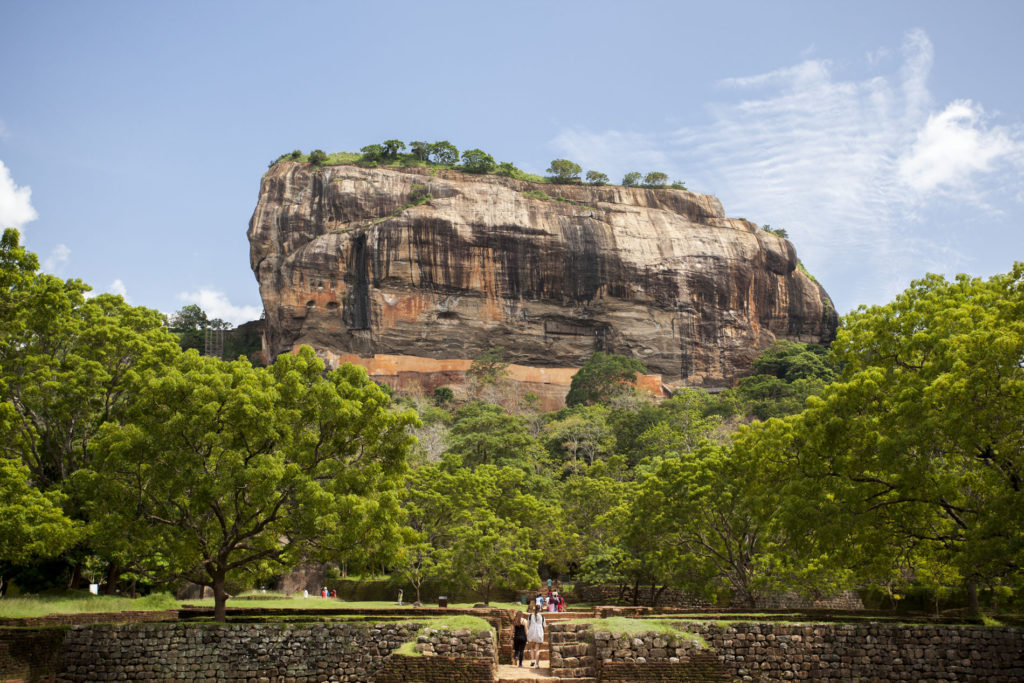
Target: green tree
[391,148]
[484,433]
[236,472]
[920,443]
[655,179]
[696,507]
[32,524]
[583,436]
[678,185]
[420,150]
[317,157]
[631,179]
[190,324]
[596,178]
[373,152]
[67,366]
[444,153]
[477,161]
[490,553]
[603,376]
[564,171]
[490,367]
[67,363]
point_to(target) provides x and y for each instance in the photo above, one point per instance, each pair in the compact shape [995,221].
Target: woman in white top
[535,634]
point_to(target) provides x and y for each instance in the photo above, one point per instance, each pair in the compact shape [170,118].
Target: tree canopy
[601,377]
[236,471]
[564,171]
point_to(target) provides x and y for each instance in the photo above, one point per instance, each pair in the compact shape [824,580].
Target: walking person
[518,637]
[535,634]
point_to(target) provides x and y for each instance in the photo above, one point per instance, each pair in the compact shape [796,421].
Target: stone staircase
[562,657]
[572,653]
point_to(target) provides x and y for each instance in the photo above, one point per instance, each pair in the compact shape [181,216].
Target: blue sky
[886,137]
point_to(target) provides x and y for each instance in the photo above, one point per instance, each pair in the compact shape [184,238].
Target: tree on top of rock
[564,171]
[392,148]
[477,161]
[444,153]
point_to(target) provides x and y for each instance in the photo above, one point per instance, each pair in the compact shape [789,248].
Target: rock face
[418,271]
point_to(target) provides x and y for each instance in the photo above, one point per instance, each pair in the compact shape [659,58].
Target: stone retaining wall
[30,654]
[614,595]
[354,651]
[774,652]
[670,597]
[403,669]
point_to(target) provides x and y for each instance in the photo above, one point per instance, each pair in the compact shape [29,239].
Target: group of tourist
[528,631]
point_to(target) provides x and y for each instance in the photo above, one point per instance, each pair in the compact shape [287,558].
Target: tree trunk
[113,573]
[220,598]
[344,569]
[76,576]
[972,597]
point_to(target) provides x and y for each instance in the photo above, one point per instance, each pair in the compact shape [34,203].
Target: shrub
[507,168]
[443,395]
[597,178]
[317,157]
[778,232]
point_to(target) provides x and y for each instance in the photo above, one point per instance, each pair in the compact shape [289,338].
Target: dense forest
[891,461]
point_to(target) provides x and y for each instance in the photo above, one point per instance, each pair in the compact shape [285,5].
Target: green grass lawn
[81,602]
[78,602]
[631,627]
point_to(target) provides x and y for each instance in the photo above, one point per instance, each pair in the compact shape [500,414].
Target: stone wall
[773,652]
[670,597]
[404,669]
[614,595]
[844,600]
[30,654]
[239,652]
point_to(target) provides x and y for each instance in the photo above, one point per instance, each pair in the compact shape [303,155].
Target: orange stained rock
[426,374]
[395,308]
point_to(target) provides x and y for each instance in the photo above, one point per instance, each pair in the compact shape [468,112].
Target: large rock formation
[414,272]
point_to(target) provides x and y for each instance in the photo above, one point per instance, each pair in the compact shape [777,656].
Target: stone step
[547,679]
[574,672]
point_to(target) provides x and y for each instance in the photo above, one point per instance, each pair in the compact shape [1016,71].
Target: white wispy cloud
[118,287]
[846,166]
[216,305]
[57,258]
[15,202]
